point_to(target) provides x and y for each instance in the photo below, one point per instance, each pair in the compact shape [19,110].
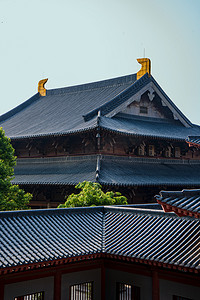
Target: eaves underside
[95,257]
[178,210]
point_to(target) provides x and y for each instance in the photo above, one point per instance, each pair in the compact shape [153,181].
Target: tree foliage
[91,194]
[11,196]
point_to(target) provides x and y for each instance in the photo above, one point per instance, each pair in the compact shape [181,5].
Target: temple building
[124,133]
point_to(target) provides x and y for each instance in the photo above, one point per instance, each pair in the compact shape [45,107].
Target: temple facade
[124,133]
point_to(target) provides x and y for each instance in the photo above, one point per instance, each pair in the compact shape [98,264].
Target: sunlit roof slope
[141,235]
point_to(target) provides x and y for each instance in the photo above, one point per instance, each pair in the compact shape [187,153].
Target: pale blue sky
[79,41]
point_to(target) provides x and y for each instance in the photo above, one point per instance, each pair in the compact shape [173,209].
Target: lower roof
[108,170]
[29,237]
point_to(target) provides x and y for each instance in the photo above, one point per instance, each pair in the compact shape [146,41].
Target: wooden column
[57,286]
[155,286]
[103,281]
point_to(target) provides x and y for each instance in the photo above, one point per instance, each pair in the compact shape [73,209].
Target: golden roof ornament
[41,88]
[146,67]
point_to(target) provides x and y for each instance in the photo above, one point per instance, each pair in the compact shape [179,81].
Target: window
[141,150]
[143,110]
[35,296]
[177,152]
[180,298]
[83,291]
[168,152]
[127,292]
[151,150]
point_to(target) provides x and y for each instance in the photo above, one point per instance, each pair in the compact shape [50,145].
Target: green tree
[91,194]
[11,196]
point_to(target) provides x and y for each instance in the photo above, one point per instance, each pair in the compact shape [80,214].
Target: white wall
[28,287]
[134,109]
[114,276]
[81,277]
[170,288]
[167,288]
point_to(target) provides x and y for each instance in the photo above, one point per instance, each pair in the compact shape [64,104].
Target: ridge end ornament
[146,67]
[41,88]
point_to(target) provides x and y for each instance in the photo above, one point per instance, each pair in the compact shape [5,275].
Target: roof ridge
[96,84]
[141,211]
[50,211]
[89,209]
[183,192]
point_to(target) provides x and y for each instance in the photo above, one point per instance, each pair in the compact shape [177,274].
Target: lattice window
[34,296]
[151,150]
[180,298]
[82,291]
[127,292]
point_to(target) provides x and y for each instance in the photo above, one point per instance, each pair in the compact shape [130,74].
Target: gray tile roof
[74,109]
[147,127]
[185,202]
[66,170]
[114,170]
[61,110]
[28,237]
[193,140]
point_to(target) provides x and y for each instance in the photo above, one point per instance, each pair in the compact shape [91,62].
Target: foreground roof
[183,203]
[109,170]
[43,236]
[75,109]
